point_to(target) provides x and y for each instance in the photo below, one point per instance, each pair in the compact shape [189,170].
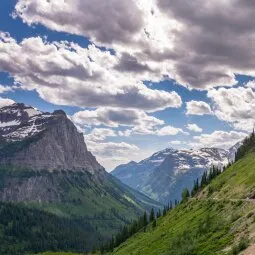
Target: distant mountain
[163,175]
[136,174]
[45,164]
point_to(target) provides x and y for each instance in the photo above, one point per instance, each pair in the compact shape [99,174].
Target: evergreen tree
[145,219]
[164,211]
[152,215]
[185,195]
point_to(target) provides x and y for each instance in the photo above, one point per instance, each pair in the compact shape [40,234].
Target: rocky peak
[43,141]
[59,113]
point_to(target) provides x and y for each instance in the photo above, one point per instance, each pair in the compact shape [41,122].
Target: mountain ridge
[163,175]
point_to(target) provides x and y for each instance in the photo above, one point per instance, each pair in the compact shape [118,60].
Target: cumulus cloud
[67,74]
[219,139]
[154,131]
[140,122]
[198,108]
[5,102]
[250,84]
[114,117]
[194,128]
[200,44]
[110,154]
[4,88]
[105,22]
[175,142]
[235,105]
[169,130]
[100,134]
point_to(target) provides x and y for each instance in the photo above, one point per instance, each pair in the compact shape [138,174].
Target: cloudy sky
[135,76]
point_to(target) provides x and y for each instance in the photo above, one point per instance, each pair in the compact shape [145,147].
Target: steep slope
[45,164]
[219,220]
[166,173]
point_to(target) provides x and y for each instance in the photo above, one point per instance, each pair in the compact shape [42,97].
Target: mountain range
[166,173]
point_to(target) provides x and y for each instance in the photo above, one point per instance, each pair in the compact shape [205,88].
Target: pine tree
[152,215]
[185,195]
[164,211]
[145,219]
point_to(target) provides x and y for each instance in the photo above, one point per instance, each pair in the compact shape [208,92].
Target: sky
[135,76]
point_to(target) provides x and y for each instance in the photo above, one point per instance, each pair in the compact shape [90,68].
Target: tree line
[140,224]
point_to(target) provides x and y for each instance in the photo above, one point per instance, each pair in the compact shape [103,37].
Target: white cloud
[105,22]
[250,84]
[110,154]
[153,131]
[198,108]
[114,117]
[66,74]
[200,44]
[100,134]
[175,142]
[4,89]
[169,130]
[235,105]
[194,128]
[141,123]
[5,102]
[218,139]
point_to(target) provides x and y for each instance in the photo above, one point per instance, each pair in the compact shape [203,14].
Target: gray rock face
[43,141]
[32,189]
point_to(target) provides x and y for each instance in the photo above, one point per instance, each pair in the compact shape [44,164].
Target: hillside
[45,165]
[219,220]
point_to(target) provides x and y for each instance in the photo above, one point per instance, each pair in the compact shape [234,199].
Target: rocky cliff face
[42,141]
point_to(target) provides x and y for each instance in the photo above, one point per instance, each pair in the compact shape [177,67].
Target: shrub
[242,245]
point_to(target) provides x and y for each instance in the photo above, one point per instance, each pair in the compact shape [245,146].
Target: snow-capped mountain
[163,175]
[19,121]
[42,141]
[136,174]
[233,150]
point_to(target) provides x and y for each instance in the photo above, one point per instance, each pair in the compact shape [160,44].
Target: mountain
[46,167]
[42,141]
[218,220]
[163,175]
[136,174]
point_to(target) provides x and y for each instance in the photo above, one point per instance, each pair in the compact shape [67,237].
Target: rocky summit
[42,141]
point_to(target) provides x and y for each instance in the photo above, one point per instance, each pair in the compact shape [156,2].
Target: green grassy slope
[237,182]
[212,223]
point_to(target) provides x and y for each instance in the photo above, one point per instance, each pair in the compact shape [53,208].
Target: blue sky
[190,80]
